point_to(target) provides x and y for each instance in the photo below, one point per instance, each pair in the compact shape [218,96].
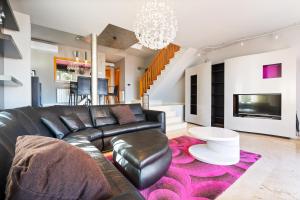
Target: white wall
[287,39]
[19,68]
[203,72]
[42,62]
[132,76]
[169,87]
[243,75]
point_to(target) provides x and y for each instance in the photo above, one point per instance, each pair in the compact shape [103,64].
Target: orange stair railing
[158,64]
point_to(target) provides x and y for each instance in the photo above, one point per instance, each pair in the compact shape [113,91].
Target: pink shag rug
[189,179]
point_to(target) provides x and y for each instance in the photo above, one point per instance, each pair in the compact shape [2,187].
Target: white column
[94,70]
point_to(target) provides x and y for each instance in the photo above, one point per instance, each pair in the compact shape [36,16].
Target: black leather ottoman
[143,156]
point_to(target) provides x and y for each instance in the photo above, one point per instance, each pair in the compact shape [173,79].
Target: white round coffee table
[222,145]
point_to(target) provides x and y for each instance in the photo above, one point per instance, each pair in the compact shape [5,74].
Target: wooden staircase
[158,64]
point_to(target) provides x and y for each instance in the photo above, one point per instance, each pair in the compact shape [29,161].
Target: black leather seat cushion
[112,130]
[121,187]
[141,148]
[90,134]
[143,157]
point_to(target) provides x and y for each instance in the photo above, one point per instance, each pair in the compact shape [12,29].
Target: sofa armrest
[156,116]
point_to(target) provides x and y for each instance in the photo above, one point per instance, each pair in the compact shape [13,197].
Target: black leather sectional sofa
[100,125]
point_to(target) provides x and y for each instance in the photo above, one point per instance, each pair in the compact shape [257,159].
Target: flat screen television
[258,105]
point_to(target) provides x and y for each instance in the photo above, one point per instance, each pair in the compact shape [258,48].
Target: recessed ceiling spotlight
[199,54]
[242,44]
[79,37]
[276,36]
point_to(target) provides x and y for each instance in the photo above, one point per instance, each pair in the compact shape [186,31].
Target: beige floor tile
[276,176]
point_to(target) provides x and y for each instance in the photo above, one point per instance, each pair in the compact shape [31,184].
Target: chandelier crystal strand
[156,24]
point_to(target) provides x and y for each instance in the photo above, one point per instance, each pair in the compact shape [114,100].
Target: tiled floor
[275,176]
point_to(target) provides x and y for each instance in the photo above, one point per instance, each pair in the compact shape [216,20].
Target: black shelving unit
[217,104]
[8,47]
[10,21]
[193,93]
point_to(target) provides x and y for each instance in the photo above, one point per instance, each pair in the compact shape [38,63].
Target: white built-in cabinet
[198,94]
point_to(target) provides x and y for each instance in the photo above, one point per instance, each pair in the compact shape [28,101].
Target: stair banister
[155,68]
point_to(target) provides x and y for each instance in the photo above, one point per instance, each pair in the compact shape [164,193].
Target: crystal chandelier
[156,24]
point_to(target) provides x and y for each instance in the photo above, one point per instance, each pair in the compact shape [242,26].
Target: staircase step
[172,120]
[161,108]
[170,113]
[176,126]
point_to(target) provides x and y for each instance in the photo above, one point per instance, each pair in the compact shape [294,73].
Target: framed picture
[272,71]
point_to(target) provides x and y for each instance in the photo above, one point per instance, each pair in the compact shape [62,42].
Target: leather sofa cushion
[120,185]
[140,117]
[73,122]
[42,159]
[138,112]
[90,134]
[56,126]
[102,116]
[147,175]
[112,130]
[141,148]
[10,129]
[31,121]
[82,112]
[123,114]
[102,121]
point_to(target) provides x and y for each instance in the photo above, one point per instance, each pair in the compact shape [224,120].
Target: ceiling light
[242,44]
[79,37]
[156,24]
[276,37]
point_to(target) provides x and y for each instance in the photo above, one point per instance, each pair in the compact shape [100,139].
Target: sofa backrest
[138,111]
[33,123]
[14,123]
[102,115]
[83,112]
[27,121]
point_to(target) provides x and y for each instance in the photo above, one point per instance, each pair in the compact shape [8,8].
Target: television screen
[259,104]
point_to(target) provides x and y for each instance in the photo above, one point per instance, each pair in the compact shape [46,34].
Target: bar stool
[114,94]
[83,88]
[102,89]
[73,93]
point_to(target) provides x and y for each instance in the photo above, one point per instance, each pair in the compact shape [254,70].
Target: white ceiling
[201,22]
